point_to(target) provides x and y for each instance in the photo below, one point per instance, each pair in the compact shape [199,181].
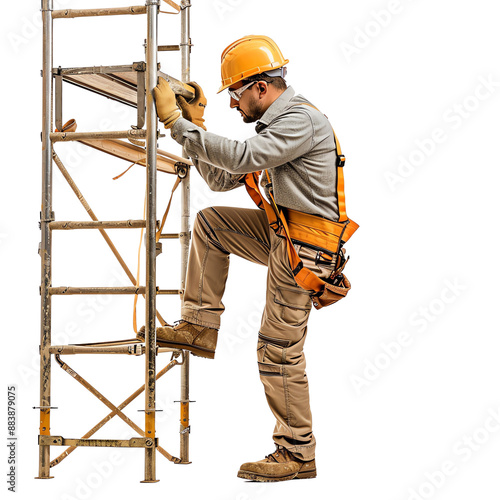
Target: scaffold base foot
[151,481]
[44,477]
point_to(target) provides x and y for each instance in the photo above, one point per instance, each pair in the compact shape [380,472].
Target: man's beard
[254,112]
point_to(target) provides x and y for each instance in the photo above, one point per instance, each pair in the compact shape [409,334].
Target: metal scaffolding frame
[131,85]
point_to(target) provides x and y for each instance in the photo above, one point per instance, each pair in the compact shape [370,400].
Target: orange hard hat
[249,56]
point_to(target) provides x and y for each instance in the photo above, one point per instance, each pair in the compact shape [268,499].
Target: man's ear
[262,89]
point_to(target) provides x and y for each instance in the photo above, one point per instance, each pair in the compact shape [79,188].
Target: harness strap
[303,276]
[343,229]
[340,171]
[252,185]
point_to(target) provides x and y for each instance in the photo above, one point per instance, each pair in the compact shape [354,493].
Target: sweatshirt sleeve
[216,178]
[287,137]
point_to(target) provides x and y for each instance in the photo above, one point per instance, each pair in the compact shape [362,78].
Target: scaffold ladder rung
[113,11]
[120,224]
[115,134]
[108,290]
[97,290]
[133,349]
[169,236]
[137,442]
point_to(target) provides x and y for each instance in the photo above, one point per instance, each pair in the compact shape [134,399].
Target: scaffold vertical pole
[46,216]
[185,204]
[151,145]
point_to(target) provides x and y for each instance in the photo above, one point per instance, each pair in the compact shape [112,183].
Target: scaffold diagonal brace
[114,409]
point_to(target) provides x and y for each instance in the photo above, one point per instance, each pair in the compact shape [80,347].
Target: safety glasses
[236,94]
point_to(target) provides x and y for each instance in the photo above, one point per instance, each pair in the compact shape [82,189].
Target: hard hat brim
[249,73]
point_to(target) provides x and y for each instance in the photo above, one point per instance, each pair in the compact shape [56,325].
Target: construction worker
[296,147]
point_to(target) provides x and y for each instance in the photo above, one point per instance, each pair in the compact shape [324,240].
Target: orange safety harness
[313,230]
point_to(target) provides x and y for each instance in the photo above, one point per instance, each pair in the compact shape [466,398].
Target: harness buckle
[276,226]
[298,268]
[340,161]
[320,256]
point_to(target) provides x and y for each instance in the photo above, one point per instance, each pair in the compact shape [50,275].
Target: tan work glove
[193,109]
[166,108]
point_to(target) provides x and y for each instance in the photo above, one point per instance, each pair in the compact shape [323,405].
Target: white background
[403,373]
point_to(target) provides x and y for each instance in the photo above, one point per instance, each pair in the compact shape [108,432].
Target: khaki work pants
[219,232]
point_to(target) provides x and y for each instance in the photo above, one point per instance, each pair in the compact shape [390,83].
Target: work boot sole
[202,352]
[252,476]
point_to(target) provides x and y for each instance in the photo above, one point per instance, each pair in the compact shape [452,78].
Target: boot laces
[274,456]
[179,324]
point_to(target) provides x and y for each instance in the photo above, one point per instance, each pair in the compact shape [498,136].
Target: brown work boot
[279,466]
[200,340]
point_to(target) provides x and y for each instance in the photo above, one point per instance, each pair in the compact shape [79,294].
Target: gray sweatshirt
[294,143]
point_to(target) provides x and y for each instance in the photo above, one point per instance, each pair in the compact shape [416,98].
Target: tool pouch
[332,293]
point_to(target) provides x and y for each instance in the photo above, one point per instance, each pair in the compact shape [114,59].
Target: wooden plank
[135,154]
[103,84]
[120,85]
